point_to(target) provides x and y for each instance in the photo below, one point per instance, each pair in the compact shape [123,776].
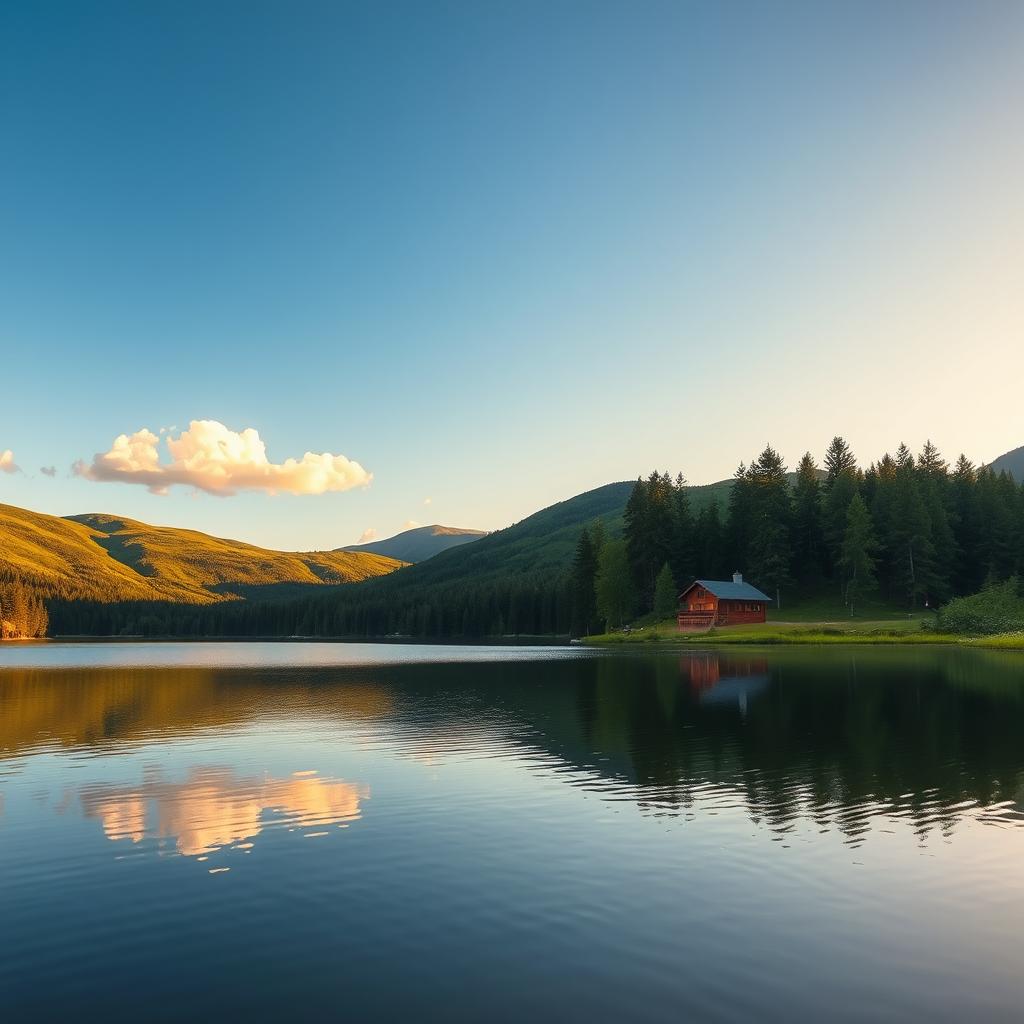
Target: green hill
[510,581]
[1010,462]
[543,542]
[419,544]
[107,558]
[110,559]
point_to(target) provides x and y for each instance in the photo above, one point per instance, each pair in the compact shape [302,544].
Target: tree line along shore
[909,536]
[877,551]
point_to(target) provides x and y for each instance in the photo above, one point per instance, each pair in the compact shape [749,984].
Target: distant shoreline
[496,641]
[806,635]
[796,635]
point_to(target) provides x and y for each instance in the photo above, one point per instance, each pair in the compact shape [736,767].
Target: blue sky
[498,254]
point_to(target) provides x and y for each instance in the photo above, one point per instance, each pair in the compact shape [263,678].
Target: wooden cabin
[707,603]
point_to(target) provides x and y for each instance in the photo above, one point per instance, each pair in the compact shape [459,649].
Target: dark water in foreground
[297,831]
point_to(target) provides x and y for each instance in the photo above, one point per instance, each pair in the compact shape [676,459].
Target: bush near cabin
[998,608]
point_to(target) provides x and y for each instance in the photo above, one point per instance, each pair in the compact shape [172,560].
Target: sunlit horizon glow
[502,256]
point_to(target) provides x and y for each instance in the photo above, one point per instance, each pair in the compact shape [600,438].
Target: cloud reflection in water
[215,808]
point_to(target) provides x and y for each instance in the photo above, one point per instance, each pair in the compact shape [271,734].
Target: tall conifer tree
[840,486]
[856,560]
[770,551]
[808,538]
[584,578]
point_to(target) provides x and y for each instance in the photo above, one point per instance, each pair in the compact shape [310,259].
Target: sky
[300,272]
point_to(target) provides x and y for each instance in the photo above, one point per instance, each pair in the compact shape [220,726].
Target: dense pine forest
[537,606]
[23,613]
[909,531]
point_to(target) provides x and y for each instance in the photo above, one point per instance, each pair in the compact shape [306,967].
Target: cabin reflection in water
[743,679]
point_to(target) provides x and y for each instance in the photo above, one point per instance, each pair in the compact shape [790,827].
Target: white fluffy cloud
[7,463]
[367,535]
[411,524]
[220,461]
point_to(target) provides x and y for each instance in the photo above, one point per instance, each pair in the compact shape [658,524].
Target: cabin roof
[729,590]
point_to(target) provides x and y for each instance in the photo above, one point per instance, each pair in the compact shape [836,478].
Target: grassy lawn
[861,631]
[828,607]
[1002,641]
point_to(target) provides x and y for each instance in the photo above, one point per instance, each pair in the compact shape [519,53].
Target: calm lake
[296,830]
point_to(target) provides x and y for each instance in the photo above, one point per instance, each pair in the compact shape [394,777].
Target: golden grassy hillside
[108,558]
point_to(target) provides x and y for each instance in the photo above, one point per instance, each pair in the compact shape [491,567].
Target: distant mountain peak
[448,531]
[1010,462]
[419,543]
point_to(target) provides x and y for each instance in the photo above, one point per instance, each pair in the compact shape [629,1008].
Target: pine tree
[913,552]
[770,552]
[710,552]
[856,561]
[841,483]
[18,604]
[996,499]
[23,613]
[933,476]
[683,539]
[883,517]
[615,590]
[931,463]
[968,575]
[636,528]
[666,595]
[650,532]
[1011,500]
[839,459]
[939,588]
[739,519]
[584,576]
[808,538]
[1018,531]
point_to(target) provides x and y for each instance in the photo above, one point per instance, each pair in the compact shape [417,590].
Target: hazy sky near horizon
[495,254]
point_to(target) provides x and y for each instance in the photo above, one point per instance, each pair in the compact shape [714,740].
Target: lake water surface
[290,831]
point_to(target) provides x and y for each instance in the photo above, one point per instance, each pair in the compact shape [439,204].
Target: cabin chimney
[737,577]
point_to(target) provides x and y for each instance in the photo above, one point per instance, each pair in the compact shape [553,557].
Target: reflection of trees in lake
[834,736]
[96,707]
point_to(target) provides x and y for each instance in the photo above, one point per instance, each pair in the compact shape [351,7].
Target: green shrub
[997,609]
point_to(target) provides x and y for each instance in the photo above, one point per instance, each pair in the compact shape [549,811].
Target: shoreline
[791,635]
[523,639]
[808,636]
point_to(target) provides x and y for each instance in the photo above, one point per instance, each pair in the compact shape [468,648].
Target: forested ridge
[908,530]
